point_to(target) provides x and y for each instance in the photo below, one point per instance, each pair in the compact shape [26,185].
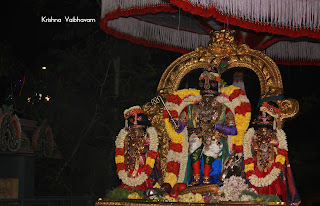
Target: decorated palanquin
[206,151]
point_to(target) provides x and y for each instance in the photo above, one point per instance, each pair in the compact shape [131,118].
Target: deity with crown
[209,125]
[137,151]
[208,121]
[265,150]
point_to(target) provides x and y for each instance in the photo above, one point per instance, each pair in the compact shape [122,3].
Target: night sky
[34,44]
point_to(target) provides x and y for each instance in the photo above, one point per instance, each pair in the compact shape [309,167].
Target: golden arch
[222,49]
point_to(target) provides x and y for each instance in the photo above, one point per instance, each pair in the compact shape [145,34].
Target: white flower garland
[275,172]
[183,163]
[151,131]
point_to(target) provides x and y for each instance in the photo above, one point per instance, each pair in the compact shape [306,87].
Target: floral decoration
[134,195]
[239,104]
[233,97]
[191,197]
[147,168]
[232,188]
[178,147]
[250,166]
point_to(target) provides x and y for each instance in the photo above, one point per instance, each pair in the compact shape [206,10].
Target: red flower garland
[173,113]
[173,167]
[243,108]
[150,160]
[175,147]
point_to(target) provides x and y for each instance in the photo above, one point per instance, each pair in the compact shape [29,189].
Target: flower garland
[177,155]
[147,168]
[178,147]
[236,100]
[250,165]
[233,97]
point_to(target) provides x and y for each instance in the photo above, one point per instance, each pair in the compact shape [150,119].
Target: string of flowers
[236,100]
[232,96]
[178,147]
[147,168]
[249,166]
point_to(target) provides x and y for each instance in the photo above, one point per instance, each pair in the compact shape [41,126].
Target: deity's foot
[196,180]
[206,180]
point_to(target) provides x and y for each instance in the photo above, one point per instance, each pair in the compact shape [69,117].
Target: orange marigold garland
[150,161]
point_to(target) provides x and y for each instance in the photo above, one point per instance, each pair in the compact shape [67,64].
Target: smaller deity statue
[265,155]
[137,151]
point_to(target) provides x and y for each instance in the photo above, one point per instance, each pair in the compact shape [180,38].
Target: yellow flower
[150,161]
[174,136]
[249,167]
[170,178]
[198,198]
[119,159]
[157,185]
[187,92]
[134,196]
[228,90]
[190,197]
[280,158]
[238,139]
[242,124]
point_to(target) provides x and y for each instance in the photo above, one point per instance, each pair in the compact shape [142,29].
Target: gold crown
[222,41]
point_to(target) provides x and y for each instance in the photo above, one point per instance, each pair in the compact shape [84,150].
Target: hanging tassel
[293,13]
[286,50]
[157,33]
[112,5]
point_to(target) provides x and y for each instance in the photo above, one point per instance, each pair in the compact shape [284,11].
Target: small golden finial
[222,37]
[222,41]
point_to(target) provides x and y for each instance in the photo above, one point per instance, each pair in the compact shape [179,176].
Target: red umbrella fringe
[185,5]
[245,23]
[136,11]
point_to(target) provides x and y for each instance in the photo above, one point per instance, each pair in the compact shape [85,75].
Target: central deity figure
[203,129]
[209,123]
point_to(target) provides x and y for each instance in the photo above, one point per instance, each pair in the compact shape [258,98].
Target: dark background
[85,110]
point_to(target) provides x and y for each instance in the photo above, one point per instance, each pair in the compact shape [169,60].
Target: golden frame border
[222,46]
